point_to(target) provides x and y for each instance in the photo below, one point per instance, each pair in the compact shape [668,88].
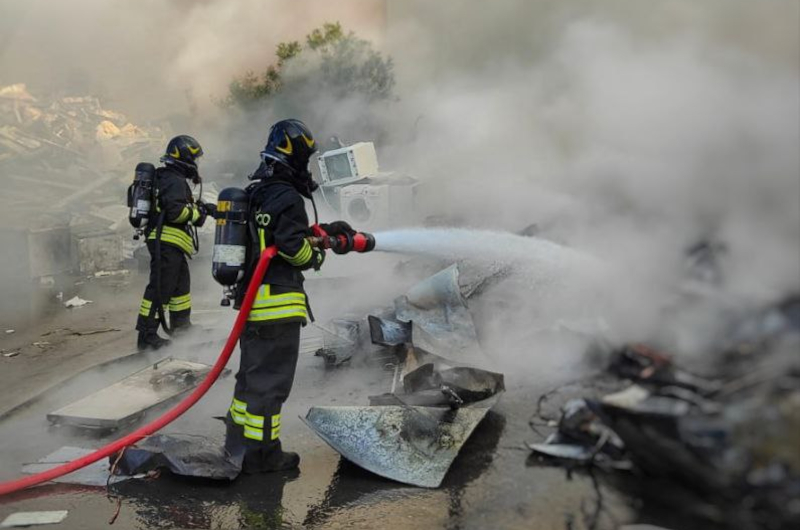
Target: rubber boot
[269,458]
[150,340]
[181,326]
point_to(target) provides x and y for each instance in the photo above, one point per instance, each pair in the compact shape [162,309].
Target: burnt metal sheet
[388,332]
[128,400]
[413,445]
[441,322]
[470,384]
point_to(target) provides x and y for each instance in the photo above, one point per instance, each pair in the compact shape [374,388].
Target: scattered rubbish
[76,301]
[440,319]
[413,445]
[11,354]
[641,363]
[438,394]
[462,383]
[387,332]
[19,519]
[729,443]
[93,332]
[181,454]
[41,344]
[129,399]
[105,274]
[10,331]
[339,342]
[96,474]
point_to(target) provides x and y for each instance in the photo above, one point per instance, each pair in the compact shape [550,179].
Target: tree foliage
[331,60]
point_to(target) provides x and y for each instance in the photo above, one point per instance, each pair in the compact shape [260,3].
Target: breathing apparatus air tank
[140,196]
[230,239]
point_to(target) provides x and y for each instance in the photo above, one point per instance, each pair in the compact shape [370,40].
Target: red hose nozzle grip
[363,242]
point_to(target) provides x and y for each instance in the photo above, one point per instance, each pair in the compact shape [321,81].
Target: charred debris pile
[723,446]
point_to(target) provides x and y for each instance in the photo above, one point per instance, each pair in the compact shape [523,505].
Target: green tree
[331,62]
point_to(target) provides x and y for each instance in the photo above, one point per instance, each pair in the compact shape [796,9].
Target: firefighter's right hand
[337,228]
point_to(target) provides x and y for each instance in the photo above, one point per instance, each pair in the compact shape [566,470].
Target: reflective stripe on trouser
[253,425]
[266,373]
[180,303]
[272,307]
[175,286]
[174,236]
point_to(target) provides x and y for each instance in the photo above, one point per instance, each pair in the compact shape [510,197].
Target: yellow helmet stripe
[288,149]
[176,153]
[309,141]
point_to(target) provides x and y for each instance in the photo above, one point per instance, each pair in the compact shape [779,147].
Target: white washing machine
[371,206]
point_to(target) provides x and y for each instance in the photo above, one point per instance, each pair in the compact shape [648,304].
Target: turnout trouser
[269,355]
[175,285]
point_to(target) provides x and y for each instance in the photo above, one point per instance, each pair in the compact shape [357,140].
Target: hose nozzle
[343,244]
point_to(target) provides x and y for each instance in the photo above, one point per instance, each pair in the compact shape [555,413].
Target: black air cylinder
[230,237]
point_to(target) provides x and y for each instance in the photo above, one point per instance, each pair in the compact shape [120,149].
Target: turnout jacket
[174,198]
[277,216]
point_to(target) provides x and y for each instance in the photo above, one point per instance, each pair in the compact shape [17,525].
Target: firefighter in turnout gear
[170,239]
[271,339]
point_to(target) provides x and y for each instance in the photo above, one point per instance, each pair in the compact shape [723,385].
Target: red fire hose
[169,416]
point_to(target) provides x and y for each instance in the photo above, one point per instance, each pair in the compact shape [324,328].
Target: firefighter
[271,339]
[170,240]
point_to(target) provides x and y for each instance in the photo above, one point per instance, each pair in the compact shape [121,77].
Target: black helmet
[183,151]
[291,144]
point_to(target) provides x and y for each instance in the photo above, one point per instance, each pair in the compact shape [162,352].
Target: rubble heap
[724,447]
[55,133]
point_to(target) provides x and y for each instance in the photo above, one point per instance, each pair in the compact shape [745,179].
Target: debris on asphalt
[76,301]
[11,354]
[181,454]
[127,401]
[10,331]
[41,344]
[105,274]
[413,445]
[386,332]
[93,332]
[729,441]
[440,390]
[20,519]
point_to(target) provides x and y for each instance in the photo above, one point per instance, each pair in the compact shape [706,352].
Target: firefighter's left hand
[317,258]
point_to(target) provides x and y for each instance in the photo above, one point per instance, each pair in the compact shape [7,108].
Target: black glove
[338,228]
[207,208]
[318,258]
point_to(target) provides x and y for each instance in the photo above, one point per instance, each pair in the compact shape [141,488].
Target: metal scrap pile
[726,447]
[441,388]
[57,132]
[65,163]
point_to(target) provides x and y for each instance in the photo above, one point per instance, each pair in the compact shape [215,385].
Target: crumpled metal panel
[413,445]
[387,332]
[470,384]
[441,321]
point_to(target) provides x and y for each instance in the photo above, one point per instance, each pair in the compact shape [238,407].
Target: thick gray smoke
[629,130]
